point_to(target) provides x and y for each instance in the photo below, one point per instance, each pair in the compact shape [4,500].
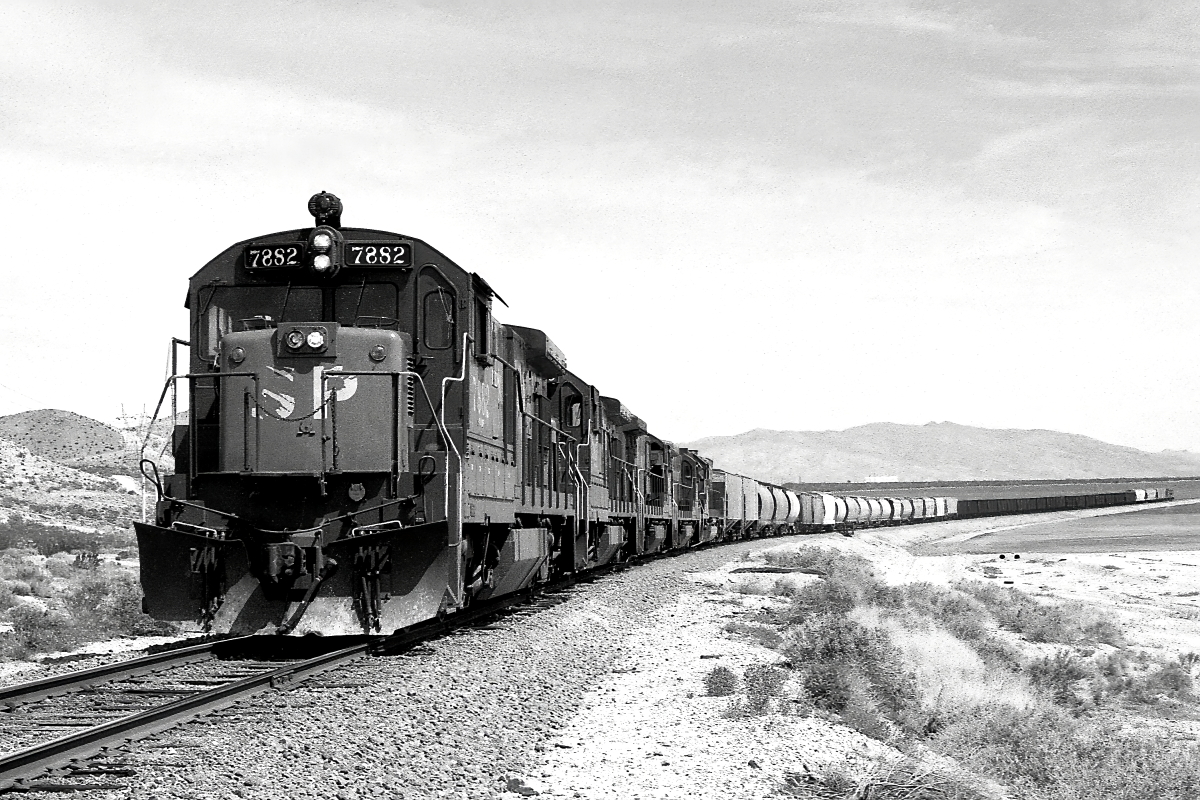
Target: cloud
[1069,88]
[897,18]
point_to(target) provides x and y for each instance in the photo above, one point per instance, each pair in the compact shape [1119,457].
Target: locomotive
[366,447]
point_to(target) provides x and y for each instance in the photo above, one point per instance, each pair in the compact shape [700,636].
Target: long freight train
[366,447]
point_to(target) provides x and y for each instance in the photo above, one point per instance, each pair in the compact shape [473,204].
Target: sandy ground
[650,731]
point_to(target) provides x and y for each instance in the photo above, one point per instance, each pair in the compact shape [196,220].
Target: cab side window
[483,345]
[437,305]
[437,332]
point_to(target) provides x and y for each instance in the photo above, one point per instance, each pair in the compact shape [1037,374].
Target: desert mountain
[937,451]
[65,437]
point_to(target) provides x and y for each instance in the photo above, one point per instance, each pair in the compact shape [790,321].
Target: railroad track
[54,726]
[60,731]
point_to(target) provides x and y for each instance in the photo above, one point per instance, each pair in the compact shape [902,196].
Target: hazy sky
[793,215]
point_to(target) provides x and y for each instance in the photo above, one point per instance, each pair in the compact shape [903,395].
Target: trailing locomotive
[366,447]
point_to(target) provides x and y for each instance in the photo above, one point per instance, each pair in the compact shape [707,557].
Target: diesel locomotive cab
[311,489]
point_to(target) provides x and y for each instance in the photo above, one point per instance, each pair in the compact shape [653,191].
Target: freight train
[366,447]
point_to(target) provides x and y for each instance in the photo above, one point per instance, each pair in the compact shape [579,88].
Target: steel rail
[66,683]
[18,767]
[21,769]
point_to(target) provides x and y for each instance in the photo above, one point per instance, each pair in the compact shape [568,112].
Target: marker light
[378,353]
[237,355]
[316,340]
[294,340]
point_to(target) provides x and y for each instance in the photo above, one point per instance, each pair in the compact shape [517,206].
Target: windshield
[224,309]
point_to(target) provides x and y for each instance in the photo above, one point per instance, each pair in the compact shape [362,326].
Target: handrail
[557,430]
[462,374]
[582,507]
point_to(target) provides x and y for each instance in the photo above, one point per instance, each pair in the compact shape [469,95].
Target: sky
[731,215]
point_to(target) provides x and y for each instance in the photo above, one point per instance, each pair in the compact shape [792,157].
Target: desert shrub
[1105,631]
[19,588]
[848,581]
[819,561]
[829,685]
[1058,674]
[957,612]
[761,683]
[1170,681]
[861,714]
[34,576]
[1048,754]
[46,539]
[820,597]
[36,630]
[1071,622]
[997,652]
[839,659]
[59,568]
[1139,680]
[905,781]
[720,682]
[122,608]
[762,634]
[1113,665]
[107,603]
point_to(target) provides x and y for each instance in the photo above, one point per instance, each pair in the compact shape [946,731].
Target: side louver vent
[409,401]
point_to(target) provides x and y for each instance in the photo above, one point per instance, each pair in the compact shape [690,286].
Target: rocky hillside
[935,452]
[68,438]
[40,490]
[66,471]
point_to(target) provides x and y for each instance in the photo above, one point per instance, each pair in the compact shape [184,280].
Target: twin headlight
[325,250]
[306,340]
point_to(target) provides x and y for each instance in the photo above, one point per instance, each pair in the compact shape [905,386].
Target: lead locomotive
[366,447]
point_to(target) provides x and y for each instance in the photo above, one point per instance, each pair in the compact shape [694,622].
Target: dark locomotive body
[366,447]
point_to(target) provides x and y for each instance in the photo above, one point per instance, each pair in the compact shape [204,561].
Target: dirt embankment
[650,729]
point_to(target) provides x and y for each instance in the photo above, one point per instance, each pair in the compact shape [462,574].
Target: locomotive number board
[268,256]
[377,254]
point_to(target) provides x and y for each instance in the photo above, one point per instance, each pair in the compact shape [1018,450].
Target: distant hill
[937,451]
[64,436]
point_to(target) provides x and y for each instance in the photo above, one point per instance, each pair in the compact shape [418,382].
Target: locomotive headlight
[316,340]
[325,251]
[294,340]
[237,355]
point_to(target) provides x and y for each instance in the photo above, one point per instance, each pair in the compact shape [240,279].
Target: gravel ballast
[601,696]
[483,710]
